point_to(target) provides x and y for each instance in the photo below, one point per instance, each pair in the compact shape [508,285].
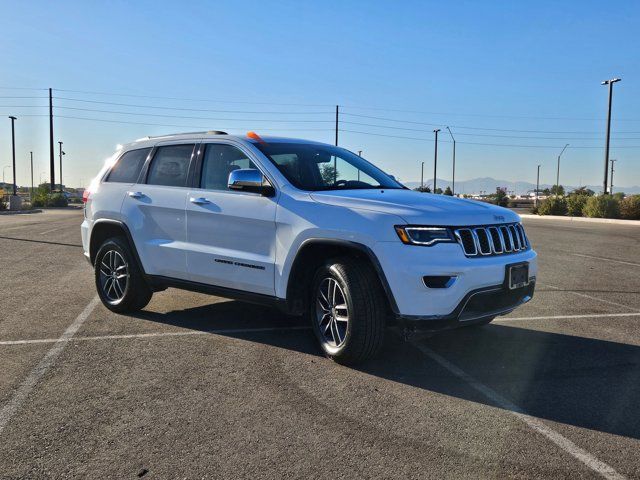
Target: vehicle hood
[419,208]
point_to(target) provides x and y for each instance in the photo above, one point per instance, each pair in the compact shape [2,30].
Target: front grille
[492,239]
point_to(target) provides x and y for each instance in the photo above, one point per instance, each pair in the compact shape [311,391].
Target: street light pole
[435,159]
[558,173]
[31,193]
[606,148]
[422,177]
[537,185]
[613,160]
[453,180]
[13,152]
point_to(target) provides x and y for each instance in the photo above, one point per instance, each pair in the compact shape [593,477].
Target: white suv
[311,228]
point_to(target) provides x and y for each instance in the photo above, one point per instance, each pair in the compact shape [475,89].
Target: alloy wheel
[332,313]
[114,275]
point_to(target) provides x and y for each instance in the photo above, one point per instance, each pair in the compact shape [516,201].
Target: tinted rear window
[127,168]
[170,166]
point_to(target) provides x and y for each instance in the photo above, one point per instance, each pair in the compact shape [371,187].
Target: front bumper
[404,267]
[477,306]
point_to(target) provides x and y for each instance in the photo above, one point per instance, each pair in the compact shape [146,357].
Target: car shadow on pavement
[579,381]
[574,380]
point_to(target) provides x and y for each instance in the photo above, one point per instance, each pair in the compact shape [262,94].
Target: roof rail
[215,132]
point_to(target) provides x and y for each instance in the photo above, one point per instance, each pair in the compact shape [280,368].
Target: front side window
[170,166]
[219,161]
[127,169]
[315,167]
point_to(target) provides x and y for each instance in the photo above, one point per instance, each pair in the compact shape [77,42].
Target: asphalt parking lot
[201,387]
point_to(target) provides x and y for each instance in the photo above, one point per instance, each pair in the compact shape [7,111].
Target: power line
[529,117]
[476,143]
[484,135]
[279,120]
[194,99]
[181,126]
[413,122]
[187,109]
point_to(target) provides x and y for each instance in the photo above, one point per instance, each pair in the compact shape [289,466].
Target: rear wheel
[119,281]
[347,310]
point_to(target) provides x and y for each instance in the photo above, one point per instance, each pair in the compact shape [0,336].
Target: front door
[231,234]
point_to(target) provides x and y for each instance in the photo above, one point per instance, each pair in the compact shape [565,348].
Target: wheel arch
[312,253]
[107,228]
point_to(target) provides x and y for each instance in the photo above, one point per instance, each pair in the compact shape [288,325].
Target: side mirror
[250,180]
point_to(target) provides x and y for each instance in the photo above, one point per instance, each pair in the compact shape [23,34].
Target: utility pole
[435,159]
[558,173]
[337,115]
[13,152]
[537,185]
[31,194]
[613,160]
[61,154]
[453,180]
[606,148]
[52,167]
[422,178]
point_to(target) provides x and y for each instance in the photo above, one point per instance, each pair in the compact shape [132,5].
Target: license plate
[518,275]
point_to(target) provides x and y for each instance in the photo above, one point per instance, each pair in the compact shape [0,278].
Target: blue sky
[499,73]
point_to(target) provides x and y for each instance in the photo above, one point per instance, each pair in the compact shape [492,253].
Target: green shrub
[575,204]
[553,206]
[602,206]
[630,207]
[57,200]
[43,199]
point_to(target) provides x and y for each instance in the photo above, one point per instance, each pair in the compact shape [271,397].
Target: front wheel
[119,281]
[348,310]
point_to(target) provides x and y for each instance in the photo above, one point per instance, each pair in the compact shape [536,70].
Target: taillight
[85,195]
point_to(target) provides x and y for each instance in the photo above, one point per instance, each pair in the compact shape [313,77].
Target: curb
[20,212]
[583,219]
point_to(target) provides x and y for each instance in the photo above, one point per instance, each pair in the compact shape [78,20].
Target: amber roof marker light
[255,136]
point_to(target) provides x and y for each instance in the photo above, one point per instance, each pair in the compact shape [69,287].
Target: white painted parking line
[563,317]
[579,294]
[604,258]
[159,334]
[52,230]
[536,424]
[9,409]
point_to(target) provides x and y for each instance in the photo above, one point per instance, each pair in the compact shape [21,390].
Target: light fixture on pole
[13,152]
[537,185]
[453,179]
[435,159]
[558,172]
[606,148]
[613,160]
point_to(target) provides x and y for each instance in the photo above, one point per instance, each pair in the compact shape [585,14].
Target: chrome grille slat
[492,239]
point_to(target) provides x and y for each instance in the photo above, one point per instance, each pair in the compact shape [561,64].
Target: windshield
[316,167]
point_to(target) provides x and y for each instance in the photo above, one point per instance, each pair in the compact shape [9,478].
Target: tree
[447,191]
[559,190]
[438,191]
[546,192]
[329,174]
[583,191]
[424,189]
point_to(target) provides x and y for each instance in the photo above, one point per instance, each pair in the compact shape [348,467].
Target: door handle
[135,194]
[200,200]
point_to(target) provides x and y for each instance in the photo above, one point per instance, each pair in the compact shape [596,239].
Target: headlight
[424,235]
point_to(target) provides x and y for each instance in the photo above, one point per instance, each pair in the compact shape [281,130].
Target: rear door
[231,234]
[154,209]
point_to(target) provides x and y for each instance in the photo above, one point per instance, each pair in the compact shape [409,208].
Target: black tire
[121,295]
[366,310]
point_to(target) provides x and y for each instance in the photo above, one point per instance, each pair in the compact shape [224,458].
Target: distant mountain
[489,185]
